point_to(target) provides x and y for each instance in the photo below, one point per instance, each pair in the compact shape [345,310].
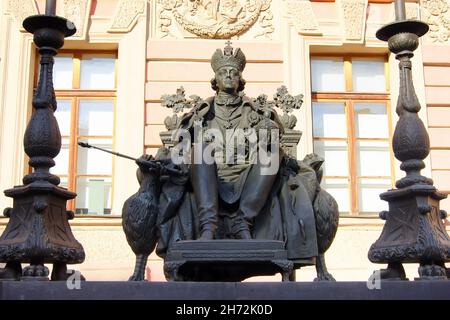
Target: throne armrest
[290,140]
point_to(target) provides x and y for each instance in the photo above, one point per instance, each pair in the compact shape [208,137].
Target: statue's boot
[253,198]
[241,227]
[204,183]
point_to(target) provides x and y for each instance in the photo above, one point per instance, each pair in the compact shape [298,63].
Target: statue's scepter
[156,164]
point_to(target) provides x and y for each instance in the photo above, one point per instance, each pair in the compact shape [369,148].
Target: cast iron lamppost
[38,230]
[414,231]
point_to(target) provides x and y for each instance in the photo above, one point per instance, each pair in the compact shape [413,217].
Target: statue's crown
[229,57]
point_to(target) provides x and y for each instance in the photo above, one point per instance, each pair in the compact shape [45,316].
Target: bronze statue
[241,187]
[233,201]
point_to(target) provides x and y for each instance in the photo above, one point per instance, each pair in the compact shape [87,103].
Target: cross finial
[228,50]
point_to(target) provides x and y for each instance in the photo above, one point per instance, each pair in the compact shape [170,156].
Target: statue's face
[228,79]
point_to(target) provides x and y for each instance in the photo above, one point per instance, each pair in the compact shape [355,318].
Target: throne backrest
[282,100]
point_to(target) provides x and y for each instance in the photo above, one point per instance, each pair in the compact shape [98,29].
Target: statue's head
[228,66]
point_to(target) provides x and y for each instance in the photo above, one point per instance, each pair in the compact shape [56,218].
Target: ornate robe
[232,119]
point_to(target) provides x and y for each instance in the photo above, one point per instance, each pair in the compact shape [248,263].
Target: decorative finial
[228,50]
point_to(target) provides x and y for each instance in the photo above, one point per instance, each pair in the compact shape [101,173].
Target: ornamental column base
[38,232]
[413,233]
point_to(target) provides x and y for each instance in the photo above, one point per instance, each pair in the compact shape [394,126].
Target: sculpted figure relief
[215,19]
[228,177]
[220,11]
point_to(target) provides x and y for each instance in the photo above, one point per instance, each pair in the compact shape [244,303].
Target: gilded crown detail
[229,57]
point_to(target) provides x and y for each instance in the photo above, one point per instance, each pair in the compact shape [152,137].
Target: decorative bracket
[78,11]
[353,19]
[301,15]
[20,10]
[126,15]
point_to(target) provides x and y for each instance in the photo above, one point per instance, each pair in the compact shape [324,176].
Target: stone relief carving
[78,12]
[22,9]
[411,11]
[302,17]
[215,19]
[353,19]
[126,15]
[437,14]
[165,19]
[265,23]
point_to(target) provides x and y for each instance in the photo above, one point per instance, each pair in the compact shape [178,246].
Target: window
[351,130]
[85,87]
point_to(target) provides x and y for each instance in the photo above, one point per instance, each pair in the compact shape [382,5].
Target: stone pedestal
[226,260]
[221,292]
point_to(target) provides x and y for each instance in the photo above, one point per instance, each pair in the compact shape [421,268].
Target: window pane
[329,120]
[336,157]
[64,182]
[327,75]
[62,159]
[338,188]
[92,161]
[63,73]
[369,191]
[371,120]
[368,76]
[62,115]
[97,72]
[373,158]
[96,118]
[93,196]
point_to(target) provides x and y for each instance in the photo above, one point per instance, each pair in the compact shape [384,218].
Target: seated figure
[223,189]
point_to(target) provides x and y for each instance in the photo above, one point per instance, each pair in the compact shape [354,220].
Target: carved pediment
[213,19]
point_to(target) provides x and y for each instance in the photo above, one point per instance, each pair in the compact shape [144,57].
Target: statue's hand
[292,164]
[145,162]
[178,174]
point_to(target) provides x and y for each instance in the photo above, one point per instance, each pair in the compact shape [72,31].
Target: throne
[226,259]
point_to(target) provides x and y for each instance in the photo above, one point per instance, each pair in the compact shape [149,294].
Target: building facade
[110,76]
